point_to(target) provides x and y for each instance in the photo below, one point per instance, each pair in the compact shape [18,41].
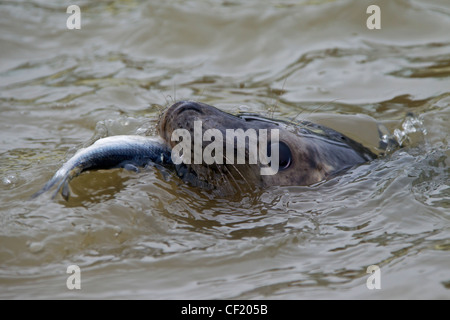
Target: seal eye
[285,155]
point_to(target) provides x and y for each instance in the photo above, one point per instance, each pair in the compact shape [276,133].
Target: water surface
[148,235]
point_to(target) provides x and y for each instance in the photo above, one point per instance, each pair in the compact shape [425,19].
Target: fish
[130,152]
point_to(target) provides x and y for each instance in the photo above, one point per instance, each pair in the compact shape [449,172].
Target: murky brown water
[147,236]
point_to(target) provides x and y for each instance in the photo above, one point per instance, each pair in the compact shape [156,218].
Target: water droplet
[410,125]
[9,180]
[118,230]
[36,247]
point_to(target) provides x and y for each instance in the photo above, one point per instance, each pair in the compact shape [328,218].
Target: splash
[412,130]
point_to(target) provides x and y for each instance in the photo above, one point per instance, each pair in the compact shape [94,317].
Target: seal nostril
[189,106]
[190,109]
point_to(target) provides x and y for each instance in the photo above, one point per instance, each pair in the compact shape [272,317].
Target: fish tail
[61,178]
[47,186]
[65,192]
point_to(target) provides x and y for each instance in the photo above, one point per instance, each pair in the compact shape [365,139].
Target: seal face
[308,153]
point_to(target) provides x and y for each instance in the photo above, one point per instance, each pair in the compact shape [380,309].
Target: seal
[306,152]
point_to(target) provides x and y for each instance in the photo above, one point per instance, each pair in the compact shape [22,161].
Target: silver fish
[125,151]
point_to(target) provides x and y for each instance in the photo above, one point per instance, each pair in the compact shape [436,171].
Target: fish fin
[63,181]
[131,167]
[65,192]
[163,170]
[56,178]
[62,177]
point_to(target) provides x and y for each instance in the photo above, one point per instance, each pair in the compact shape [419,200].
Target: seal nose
[182,106]
[172,117]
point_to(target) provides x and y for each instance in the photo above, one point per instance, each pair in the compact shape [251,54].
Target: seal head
[308,153]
